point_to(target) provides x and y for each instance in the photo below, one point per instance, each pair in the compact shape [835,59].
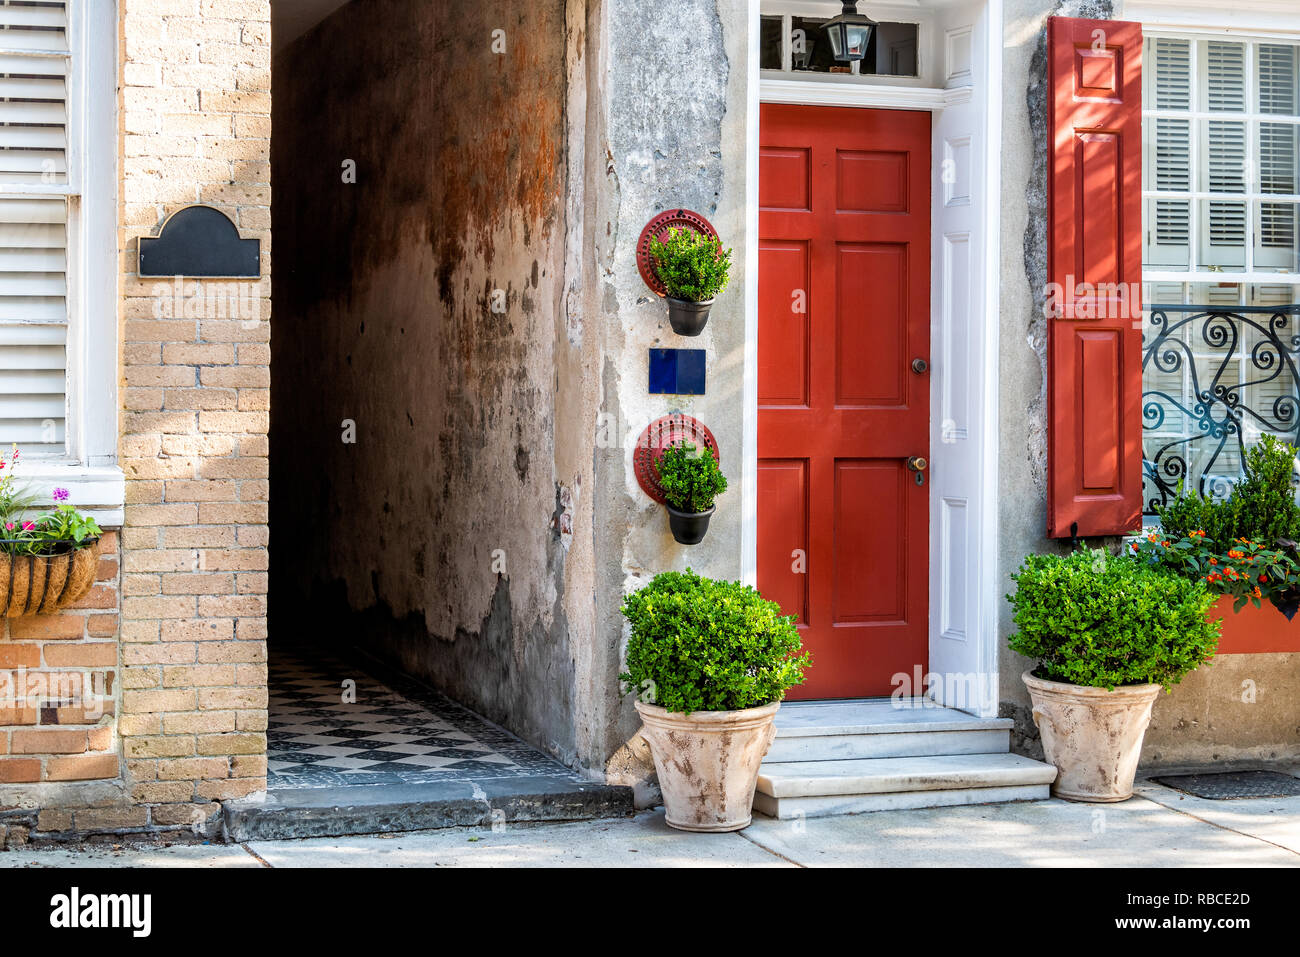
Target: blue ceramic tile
[690,372]
[663,371]
[677,372]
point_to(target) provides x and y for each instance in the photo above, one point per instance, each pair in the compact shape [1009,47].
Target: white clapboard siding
[33,323]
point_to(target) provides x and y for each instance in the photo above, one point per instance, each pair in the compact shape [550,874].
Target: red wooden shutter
[1094,271]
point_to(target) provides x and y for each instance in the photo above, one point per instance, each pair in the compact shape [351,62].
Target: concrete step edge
[892,775]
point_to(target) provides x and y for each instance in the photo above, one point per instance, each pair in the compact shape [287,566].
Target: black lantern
[849,33]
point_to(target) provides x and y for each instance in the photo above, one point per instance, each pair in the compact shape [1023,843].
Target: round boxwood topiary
[690,477]
[703,645]
[1098,620]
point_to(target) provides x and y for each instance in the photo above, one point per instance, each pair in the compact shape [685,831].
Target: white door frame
[964,587]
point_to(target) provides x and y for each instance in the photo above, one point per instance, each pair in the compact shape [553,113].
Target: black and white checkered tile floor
[394,731]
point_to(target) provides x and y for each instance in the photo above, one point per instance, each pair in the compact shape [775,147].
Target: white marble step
[807,807]
[879,728]
[815,788]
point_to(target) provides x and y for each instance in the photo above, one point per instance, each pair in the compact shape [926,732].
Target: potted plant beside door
[709,662]
[691,480]
[693,268]
[1108,632]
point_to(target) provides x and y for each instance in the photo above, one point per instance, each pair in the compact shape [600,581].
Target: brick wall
[58,685]
[195,127]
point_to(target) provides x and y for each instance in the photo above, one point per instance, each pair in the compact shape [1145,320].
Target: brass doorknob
[916,463]
[919,366]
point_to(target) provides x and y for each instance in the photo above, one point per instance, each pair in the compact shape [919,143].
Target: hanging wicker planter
[44,584]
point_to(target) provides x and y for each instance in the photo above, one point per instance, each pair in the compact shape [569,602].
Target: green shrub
[704,645]
[1098,620]
[1262,507]
[1266,509]
[691,265]
[690,477]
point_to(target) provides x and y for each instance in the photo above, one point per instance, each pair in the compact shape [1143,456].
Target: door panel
[844,279]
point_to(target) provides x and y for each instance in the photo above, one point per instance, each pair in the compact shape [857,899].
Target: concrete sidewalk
[1159,827]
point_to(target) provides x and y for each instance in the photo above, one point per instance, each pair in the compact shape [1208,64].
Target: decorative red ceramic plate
[658,228]
[660,434]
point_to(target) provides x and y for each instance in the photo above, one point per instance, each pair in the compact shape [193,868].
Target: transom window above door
[793,42]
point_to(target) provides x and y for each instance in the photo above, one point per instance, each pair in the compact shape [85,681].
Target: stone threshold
[383,809]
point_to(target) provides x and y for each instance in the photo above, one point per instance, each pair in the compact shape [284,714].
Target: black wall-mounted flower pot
[688,318]
[689,527]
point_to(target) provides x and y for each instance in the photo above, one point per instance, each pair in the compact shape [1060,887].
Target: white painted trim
[1238,277]
[828,92]
[98,491]
[1221,16]
[990,590]
[749,421]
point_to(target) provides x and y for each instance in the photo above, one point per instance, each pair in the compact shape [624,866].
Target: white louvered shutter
[1275,243]
[34,66]
[1169,163]
[1223,145]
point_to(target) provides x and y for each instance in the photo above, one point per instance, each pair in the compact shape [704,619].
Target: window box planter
[1254,630]
[45,584]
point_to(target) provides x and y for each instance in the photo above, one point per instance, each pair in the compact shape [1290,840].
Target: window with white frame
[58,240]
[1221,209]
[792,41]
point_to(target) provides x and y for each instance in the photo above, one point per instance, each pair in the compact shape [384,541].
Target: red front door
[844,309]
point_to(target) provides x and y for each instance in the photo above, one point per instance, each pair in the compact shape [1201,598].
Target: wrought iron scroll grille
[1214,380]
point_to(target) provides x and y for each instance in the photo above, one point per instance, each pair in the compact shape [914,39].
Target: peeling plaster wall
[674,127]
[450,536]
[1207,718]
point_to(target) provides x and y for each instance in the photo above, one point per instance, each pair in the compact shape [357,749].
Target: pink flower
[10,526]
[28,526]
[60,495]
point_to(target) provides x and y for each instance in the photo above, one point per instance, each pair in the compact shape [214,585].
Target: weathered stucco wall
[424,304]
[1211,715]
[674,121]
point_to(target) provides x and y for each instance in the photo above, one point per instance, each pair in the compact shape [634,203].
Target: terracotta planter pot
[707,763]
[1092,736]
[44,584]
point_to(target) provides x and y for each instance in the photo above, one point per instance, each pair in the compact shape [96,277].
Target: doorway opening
[418,224]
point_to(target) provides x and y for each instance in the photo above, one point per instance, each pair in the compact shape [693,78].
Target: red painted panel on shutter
[1094,271]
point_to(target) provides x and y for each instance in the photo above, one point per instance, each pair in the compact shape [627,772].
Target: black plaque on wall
[199,241]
